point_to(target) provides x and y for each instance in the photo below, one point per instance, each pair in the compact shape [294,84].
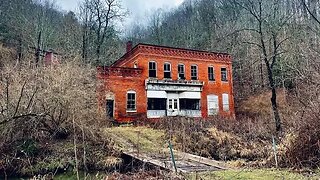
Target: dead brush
[213,139]
[301,146]
[46,110]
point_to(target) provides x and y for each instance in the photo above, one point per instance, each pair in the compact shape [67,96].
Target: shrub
[45,110]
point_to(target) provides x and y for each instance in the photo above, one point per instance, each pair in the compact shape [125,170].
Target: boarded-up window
[131,101]
[181,71]
[213,104]
[167,70]
[152,69]
[225,102]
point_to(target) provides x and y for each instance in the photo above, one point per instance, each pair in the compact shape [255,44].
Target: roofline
[185,49]
[161,46]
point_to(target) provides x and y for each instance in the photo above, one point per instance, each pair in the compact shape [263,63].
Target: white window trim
[167,71]
[223,102]
[184,70]
[214,78]
[154,69]
[135,101]
[213,96]
[197,73]
[226,74]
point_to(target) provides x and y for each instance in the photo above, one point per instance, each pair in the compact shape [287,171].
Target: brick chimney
[129,46]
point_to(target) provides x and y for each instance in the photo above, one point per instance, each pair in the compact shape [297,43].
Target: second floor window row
[167,72]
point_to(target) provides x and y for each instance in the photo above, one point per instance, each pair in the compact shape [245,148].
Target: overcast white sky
[137,8]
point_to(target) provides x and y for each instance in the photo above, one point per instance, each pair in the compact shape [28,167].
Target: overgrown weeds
[48,119]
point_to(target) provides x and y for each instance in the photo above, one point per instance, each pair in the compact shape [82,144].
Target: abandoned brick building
[156,81]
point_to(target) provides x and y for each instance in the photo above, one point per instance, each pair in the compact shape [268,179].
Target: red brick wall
[120,85]
[216,87]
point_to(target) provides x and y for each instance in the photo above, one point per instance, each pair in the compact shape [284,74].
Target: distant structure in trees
[152,81]
[51,58]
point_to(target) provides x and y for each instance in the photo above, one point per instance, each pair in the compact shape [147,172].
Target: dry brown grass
[46,110]
[259,105]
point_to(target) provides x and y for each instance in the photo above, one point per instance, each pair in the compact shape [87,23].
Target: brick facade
[131,74]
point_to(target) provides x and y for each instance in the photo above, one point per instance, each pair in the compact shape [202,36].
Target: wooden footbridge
[165,158]
[183,162]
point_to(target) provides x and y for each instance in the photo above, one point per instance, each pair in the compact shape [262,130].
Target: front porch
[173,98]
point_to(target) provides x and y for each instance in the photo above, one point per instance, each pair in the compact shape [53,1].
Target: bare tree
[101,16]
[313,13]
[269,24]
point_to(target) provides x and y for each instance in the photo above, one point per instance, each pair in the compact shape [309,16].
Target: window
[135,65]
[181,71]
[152,69]
[213,104]
[170,104]
[194,72]
[225,102]
[167,70]
[157,104]
[173,104]
[131,101]
[211,73]
[189,104]
[224,76]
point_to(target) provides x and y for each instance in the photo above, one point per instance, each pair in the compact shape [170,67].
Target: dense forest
[275,47]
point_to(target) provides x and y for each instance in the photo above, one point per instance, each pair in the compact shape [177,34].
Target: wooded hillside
[275,46]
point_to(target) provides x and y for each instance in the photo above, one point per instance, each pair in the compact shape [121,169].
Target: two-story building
[157,81]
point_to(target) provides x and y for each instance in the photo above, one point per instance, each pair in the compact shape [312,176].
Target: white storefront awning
[182,95]
[156,94]
[190,95]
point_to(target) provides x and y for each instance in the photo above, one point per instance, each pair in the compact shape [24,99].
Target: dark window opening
[157,104]
[194,72]
[189,104]
[152,69]
[224,76]
[211,74]
[131,102]
[109,108]
[181,71]
[167,70]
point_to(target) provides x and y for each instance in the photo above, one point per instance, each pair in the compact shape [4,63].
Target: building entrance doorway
[173,104]
[110,108]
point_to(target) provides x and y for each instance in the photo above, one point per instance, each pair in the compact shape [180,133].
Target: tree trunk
[38,50]
[98,54]
[274,101]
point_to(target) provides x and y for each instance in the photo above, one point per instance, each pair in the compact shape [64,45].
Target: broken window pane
[224,76]
[157,104]
[181,71]
[167,70]
[152,69]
